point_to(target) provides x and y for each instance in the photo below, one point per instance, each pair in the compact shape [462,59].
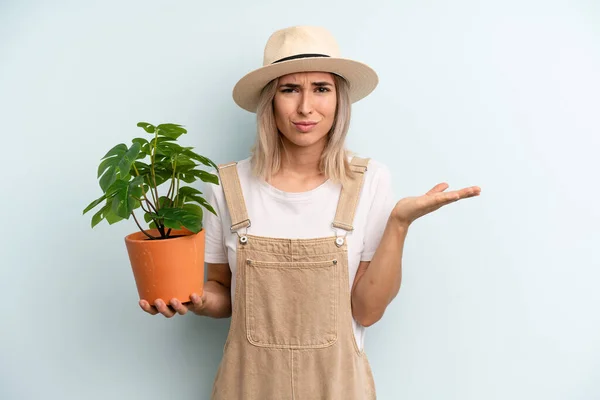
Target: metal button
[339,241]
[334,262]
[243,239]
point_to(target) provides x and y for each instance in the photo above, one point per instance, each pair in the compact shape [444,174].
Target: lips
[304,126]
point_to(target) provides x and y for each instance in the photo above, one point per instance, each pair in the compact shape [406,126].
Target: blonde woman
[307,247]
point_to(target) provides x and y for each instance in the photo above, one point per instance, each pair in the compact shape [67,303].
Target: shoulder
[243,168]
[377,167]
[376,172]
[377,181]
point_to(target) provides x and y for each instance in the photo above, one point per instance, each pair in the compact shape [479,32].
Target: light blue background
[500,293]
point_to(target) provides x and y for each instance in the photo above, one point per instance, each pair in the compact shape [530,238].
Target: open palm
[408,209]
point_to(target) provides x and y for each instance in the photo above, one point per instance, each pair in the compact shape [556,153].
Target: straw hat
[303,49]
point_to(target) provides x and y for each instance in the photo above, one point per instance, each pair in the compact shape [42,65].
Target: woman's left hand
[409,209]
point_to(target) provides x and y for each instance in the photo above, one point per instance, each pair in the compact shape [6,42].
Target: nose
[305,106]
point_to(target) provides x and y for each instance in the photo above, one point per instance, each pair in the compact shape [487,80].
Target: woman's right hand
[197,305]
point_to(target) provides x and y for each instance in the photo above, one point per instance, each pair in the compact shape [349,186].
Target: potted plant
[167,258]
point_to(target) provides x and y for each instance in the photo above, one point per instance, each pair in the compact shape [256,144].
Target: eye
[323,89]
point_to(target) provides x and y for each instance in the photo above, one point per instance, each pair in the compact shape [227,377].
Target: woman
[306,250]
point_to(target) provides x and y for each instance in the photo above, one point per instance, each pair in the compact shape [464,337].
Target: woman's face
[304,106]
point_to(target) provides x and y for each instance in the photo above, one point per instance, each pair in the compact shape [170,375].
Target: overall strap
[234,197]
[344,215]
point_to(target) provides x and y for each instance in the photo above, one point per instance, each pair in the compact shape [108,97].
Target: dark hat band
[294,57]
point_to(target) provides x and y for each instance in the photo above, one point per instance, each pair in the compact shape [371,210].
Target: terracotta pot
[167,268]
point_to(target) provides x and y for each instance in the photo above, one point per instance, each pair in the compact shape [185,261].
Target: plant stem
[151,205]
[142,205]
[152,156]
[172,186]
[178,181]
[141,229]
[151,193]
[169,194]
[144,192]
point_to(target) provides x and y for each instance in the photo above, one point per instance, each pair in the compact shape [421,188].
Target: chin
[304,139]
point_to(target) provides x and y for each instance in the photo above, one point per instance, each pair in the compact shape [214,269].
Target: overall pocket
[292,304]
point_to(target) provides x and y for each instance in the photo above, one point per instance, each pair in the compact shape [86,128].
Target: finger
[178,306]
[450,197]
[163,309]
[197,301]
[470,192]
[437,200]
[147,307]
[467,192]
[440,187]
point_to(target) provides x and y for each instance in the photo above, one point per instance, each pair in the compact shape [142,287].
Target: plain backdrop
[500,294]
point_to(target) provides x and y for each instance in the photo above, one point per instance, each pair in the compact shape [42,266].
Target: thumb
[197,301]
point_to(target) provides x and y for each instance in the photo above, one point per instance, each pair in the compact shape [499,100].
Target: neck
[303,161]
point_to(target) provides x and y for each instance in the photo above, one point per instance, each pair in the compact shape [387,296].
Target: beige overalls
[291,333]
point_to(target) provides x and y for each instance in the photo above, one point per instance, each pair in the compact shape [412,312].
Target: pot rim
[188,235]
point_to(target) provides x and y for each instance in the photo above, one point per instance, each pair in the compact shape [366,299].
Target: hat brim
[361,78]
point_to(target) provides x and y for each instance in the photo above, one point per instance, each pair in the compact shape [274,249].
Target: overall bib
[291,335]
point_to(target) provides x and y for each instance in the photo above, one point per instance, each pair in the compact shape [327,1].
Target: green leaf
[105,213]
[172,127]
[168,149]
[125,201]
[171,130]
[147,127]
[107,169]
[172,223]
[108,178]
[117,164]
[175,218]
[95,203]
[188,191]
[129,158]
[142,168]
[149,216]
[141,141]
[164,201]
[205,204]
[183,164]
[193,225]
[144,147]
[111,217]
[161,177]
[206,176]
[104,166]
[204,160]
[117,150]
[99,216]
[161,139]
[187,178]
[194,209]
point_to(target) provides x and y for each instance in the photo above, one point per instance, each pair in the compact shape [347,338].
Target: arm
[378,281]
[217,289]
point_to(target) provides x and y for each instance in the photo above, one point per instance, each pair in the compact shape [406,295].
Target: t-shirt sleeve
[215,249]
[381,207]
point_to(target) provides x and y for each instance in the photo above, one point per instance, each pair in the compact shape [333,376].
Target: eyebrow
[295,85]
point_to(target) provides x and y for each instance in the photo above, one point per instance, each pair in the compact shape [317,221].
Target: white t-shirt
[278,214]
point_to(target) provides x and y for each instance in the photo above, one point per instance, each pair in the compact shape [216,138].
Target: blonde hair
[267,149]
